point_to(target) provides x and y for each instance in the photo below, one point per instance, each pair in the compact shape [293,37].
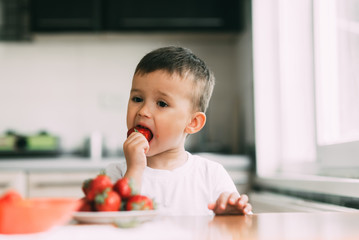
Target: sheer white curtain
[283,83]
[306,81]
[306,91]
[337,81]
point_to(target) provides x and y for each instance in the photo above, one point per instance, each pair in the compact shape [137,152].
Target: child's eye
[137,99]
[162,104]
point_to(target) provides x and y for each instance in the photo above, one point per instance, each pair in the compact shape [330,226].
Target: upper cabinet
[173,15]
[14,20]
[66,15]
[20,18]
[123,15]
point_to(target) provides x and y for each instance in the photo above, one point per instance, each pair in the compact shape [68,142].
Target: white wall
[72,85]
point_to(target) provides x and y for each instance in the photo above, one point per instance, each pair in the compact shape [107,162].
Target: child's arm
[231,203]
[135,148]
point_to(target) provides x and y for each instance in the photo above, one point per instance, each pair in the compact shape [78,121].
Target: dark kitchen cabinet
[66,15]
[14,20]
[124,15]
[173,15]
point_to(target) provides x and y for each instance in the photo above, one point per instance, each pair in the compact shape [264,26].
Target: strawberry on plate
[86,186]
[125,187]
[92,187]
[145,131]
[86,205]
[108,200]
[139,202]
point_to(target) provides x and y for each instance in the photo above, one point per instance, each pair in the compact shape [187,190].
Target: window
[306,83]
[336,41]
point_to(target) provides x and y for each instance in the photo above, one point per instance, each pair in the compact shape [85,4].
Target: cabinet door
[66,15]
[58,184]
[13,180]
[173,15]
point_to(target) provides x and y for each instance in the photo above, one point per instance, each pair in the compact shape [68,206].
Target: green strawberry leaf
[87,183]
[100,198]
[102,172]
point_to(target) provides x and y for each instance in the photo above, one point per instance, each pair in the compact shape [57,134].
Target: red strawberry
[139,202]
[108,200]
[86,205]
[86,186]
[145,131]
[96,186]
[125,187]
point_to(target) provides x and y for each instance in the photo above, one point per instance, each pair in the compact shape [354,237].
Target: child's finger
[243,200]
[222,201]
[247,209]
[233,198]
[220,205]
[138,139]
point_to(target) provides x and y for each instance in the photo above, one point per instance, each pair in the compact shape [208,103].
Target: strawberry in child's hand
[96,186]
[139,202]
[108,200]
[145,131]
[125,187]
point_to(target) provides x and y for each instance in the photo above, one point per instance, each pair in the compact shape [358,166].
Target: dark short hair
[181,61]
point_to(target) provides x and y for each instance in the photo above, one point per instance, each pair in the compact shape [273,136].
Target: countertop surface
[60,163]
[235,162]
[265,226]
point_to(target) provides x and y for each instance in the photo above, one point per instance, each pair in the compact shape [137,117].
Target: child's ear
[197,123]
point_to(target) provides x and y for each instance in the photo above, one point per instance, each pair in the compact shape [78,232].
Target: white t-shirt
[186,190]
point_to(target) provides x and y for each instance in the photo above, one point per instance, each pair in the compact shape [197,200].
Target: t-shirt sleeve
[223,182]
[116,170]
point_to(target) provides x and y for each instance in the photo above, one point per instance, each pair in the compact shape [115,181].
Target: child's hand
[231,203]
[135,148]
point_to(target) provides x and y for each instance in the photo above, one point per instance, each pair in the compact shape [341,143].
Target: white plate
[115,217]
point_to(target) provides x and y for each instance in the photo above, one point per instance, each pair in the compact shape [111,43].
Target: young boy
[171,88]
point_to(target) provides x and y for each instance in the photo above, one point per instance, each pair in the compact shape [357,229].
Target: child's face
[162,103]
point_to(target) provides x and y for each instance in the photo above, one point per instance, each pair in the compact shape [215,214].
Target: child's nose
[144,111]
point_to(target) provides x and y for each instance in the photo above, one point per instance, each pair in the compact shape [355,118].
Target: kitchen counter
[233,162]
[39,177]
[61,163]
[273,226]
